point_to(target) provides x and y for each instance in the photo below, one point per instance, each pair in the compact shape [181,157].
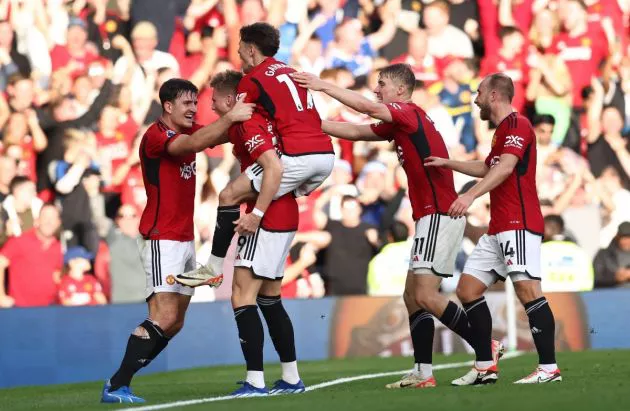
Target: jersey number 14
[284,78]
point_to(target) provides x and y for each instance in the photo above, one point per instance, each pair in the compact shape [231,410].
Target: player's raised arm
[213,134]
[475,168]
[349,131]
[348,97]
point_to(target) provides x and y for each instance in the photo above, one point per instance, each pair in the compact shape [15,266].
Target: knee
[226,196]
[424,299]
[527,291]
[169,321]
[466,294]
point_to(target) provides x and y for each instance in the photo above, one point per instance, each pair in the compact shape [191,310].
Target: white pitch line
[312,387]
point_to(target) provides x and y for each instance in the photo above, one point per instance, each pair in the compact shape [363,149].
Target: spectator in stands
[387,271]
[77,54]
[77,286]
[352,246]
[66,175]
[422,63]
[301,275]
[544,126]
[606,145]
[20,209]
[11,61]
[615,204]
[444,38]
[509,59]
[565,265]
[92,183]
[127,278]
[32,284]
[582,47]
[23,130]
[8,170]
[20,92]
[144,39]
[356,52]
[612,265]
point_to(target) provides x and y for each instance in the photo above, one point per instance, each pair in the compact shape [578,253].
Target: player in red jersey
[308,152]
[167,157]
[260,256]
[431,191]
[512,245]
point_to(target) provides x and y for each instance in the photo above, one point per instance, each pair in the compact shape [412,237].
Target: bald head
[500,83]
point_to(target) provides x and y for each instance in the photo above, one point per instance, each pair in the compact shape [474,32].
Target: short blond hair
[144,29]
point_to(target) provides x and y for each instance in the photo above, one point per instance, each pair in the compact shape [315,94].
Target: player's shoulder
[514,121]
[159,130]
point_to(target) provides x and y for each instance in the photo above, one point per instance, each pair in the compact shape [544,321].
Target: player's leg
[483,268]
[317,169]
[422,330]
[525,273]
[168,302]
[245,288]
[281,331]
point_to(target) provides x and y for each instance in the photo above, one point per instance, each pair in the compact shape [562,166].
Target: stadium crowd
[79,81]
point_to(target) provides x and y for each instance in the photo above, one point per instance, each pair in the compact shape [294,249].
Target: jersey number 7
[284,78]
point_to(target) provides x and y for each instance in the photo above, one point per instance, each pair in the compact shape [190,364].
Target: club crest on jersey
[253,142]
[186,171]
[170,133]
[514,141]
[494,161]
[240,96]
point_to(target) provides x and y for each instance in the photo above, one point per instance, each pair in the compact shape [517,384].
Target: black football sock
[543,327]
[279,325]
[422,329]
[480,322]
[140,352]
[456,319]
[251,336]
[224,229]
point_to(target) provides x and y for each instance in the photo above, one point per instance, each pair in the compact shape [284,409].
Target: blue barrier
[54,345]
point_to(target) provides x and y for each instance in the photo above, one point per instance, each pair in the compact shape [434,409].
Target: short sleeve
[255,138]
[11,249]
[517,139]
[246,85]
[157,141]
[383,130]
[403,115]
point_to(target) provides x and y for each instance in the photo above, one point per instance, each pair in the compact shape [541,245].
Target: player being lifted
[308,155]
[259,263]
[167,158]
[431,191]
[512,245]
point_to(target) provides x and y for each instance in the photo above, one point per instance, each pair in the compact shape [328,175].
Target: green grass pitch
[593,380]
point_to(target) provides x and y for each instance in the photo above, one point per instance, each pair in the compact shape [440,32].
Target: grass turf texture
[593,380]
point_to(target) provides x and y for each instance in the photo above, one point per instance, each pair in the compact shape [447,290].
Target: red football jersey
[289,106]
[252,138]
[582,55]
[431,189]
[514,203]
[170,186]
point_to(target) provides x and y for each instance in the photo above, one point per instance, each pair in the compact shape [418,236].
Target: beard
[484,113]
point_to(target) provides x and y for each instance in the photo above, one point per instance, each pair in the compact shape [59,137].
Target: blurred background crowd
[79,81]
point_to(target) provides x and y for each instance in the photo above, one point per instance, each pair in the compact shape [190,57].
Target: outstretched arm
[349,131]
[492,179]
[348,97]
[212,134]
[472,168]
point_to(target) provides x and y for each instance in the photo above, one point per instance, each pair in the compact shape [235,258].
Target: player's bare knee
[226,196]
[527,291]
[466,294]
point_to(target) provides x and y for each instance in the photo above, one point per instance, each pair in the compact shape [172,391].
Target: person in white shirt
[445,39]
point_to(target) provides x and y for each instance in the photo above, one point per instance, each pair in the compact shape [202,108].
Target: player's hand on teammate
[433,161]
[460,206]
[247,224]
[308,80]
[241,111]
